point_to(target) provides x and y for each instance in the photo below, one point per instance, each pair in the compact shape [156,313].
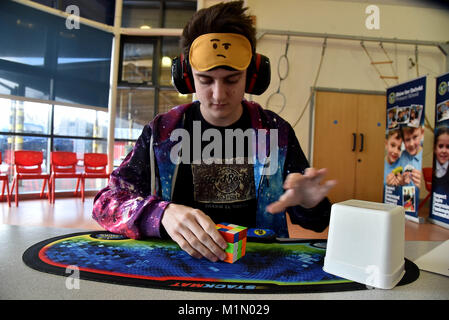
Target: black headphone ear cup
[182,75]
[258,74]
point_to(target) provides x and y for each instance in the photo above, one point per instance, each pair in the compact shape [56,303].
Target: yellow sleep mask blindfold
[212,50]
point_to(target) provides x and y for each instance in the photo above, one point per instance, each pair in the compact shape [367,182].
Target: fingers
[211,230]
[185,245]
[194,232]
[285,200]
[295,180]
[275,207]
[416,177]
[205,238]
[303,189]
[390,178]
[328,185]
[416,174]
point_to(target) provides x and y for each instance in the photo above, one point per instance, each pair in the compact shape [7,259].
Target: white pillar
[115,60]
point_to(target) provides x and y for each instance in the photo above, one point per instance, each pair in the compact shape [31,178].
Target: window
[145,87]
[177,13]
[141,14]
[49,58]
[170,50]
[134,109]
[170,98]
[136,65]
[71,121]
[97,10]
[146,14]
[24,117]
[44,127]
[72,66]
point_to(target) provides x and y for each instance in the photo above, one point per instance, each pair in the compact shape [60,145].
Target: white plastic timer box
[366,243]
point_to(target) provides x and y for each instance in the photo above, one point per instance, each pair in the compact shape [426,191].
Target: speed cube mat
[293,266]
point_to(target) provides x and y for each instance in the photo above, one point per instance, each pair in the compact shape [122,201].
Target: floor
[73,213]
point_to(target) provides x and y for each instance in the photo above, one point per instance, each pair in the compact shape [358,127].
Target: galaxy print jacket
[140,189]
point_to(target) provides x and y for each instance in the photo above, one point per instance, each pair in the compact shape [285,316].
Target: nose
[219,92]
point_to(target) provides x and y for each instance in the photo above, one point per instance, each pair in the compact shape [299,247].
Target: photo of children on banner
[443,111]
[392,170]
[440,180]
[403,115]
[415,116]
[403,153]
[411,157]
[392,118]
[408,198]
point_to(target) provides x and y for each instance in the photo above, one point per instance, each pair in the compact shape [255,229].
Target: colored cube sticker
[235,236]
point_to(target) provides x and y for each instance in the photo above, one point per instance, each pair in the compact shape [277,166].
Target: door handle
[354,141]
[361,142]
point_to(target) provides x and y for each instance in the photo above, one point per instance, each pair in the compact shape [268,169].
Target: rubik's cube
[235,236]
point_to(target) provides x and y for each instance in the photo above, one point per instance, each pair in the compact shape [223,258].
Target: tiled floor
[73,213]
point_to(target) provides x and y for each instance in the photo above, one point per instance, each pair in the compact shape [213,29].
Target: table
[18,281]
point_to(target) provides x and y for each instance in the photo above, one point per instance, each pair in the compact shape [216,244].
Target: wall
[345,64]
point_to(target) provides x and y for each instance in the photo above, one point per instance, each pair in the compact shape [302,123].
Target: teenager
[155,194]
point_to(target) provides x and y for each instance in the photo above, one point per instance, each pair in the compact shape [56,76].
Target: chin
[221,113]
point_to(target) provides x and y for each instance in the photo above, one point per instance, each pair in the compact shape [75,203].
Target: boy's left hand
[304,190]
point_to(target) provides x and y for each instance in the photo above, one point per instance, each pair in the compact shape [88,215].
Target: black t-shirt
[224,191]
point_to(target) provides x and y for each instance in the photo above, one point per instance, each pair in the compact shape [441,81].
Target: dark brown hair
[410,130]
[227,17]
[394,132]
[439,132]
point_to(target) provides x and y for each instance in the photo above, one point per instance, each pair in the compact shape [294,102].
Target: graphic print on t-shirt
[223,182]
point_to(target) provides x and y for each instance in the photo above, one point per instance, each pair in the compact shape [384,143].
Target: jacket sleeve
[125,205]
[317,218]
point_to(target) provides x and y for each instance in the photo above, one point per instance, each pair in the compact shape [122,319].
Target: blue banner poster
[439,209]
[404,145]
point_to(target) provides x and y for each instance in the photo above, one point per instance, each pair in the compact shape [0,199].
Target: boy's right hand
[394,180]
[194,232]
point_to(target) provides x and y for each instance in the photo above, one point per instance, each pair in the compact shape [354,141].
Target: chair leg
[52,184]
[8,195]
[17,191]
[43,188]
[13,184]
[83,183]
[77,186]
[3,190]
[49,190]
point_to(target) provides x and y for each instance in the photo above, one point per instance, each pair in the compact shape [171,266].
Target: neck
[417,152]
[225,121]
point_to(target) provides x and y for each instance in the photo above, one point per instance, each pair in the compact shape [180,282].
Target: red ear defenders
[258,75]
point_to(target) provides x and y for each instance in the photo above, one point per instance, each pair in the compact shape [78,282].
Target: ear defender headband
[213,50]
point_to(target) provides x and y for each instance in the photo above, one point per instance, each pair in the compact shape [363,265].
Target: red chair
[28,165]
[95,165]
[428,174]
[63,166]
[5,178]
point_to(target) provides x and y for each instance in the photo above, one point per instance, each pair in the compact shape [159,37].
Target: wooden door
[369,166]
[335,124]
[342,121]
